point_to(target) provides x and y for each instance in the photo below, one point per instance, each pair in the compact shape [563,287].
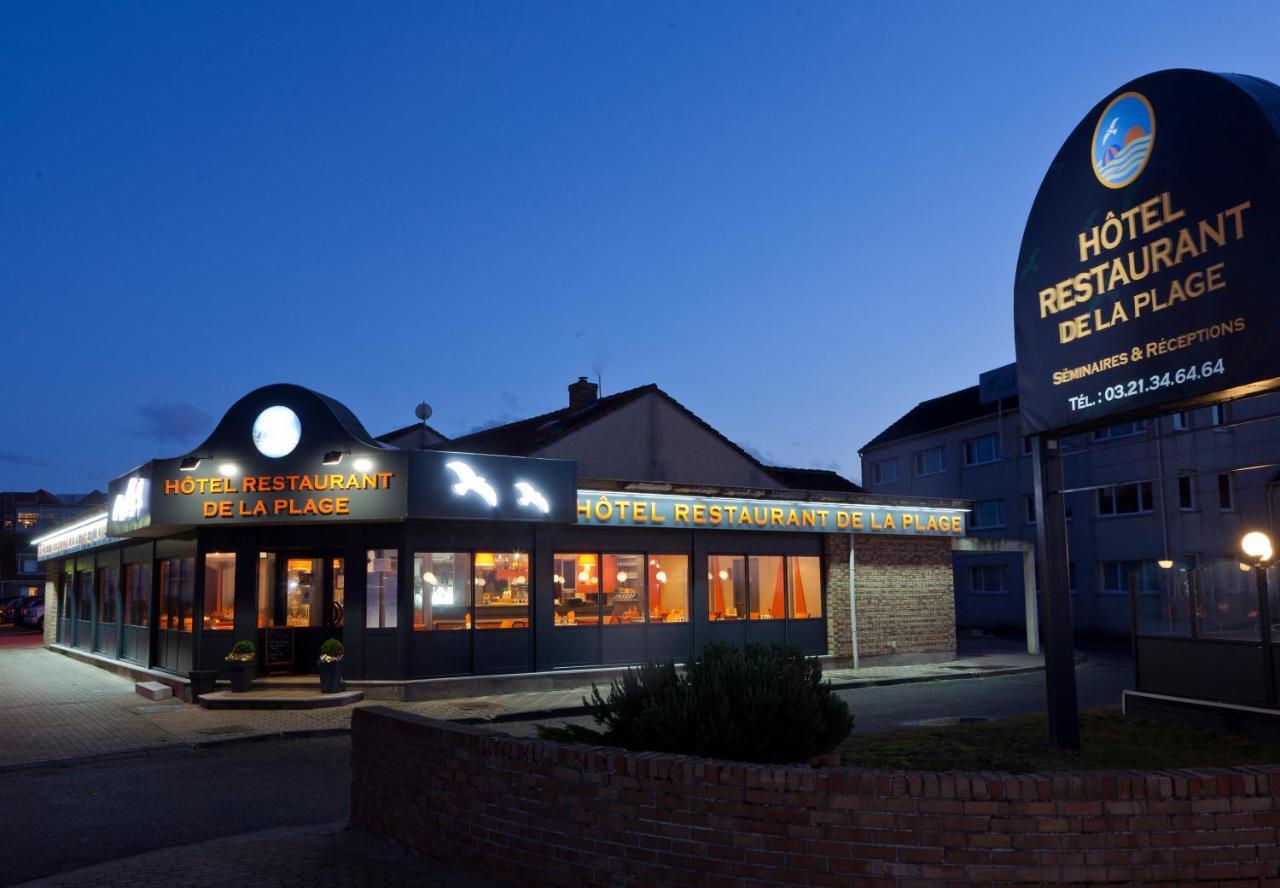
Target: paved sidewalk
[326,856]
[56,709]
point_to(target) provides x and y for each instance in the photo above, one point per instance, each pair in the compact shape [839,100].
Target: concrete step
[278,698]
[153,690]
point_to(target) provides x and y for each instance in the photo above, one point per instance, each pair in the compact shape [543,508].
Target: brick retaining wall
[537,812]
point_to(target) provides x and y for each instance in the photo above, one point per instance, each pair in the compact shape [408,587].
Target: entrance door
[304,598]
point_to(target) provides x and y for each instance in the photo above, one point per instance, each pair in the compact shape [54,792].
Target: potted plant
[330,666]
[240,665]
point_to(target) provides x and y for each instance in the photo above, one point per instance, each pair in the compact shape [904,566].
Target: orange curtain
[801,608]
[779,609]
[718,597]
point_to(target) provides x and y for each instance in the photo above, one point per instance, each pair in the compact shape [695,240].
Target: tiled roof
[939,413]
[813,479]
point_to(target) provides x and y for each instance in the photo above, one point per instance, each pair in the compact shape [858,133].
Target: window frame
[916,460]
[877,471]
[1226,482]
[1003,522]
[788,593]
[981,569]
[970,444]
[1189,502]
[1113,491]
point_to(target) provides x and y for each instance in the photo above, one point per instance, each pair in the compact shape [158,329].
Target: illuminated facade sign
[610,509]
[84,534]
[1147,278]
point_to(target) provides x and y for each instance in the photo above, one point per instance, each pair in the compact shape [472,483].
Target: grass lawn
[1108,741]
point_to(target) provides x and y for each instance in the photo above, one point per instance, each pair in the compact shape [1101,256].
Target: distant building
[22,515]
[1186,505]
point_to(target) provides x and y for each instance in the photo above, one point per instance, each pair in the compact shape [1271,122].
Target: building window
[989,579]
[382,588]
[177,593]
[1026,445]
[28,520]
[1186,493]
[30,566]
[1218,415]
[622,585]
[442,591]
[1226,495]
[884,471]
[219,591]
[266,588]
[1028,509]
[501,590]
[1191,560]
[304,592]
[979,451]
[1117,576]
[1181,421]
[576,596]
[107,594]
[613,590]
[1122,430]
[84,596]
[988,513]
[137,594]
[764,587]
[931,461]
[668,588]
[1125,499]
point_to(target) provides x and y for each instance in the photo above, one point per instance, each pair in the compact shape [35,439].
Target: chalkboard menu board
[279,649]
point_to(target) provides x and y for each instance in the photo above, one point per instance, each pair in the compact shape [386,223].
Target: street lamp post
[1256,546]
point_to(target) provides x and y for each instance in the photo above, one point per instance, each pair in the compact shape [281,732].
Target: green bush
[761,704]
[242,651]
[331,650]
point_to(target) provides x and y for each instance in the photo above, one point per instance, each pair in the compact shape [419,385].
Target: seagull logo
[470,482]
[531,496]
[1111,130]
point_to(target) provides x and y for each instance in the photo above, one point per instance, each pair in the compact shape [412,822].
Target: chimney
[582,393]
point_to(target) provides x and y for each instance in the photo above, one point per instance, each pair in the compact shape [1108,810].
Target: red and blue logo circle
[1123,139]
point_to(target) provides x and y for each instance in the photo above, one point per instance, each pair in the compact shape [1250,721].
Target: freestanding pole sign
[1146,283]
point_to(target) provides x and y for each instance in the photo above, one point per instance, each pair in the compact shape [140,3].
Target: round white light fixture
[660,576]
[430,579]
[228,470]
[276,431]
[1257,545]
[363,464]
[724,574]
[622,576]
[584,575]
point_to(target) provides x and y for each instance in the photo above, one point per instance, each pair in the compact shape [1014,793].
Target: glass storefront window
[668,588]
[219,591]
[338,609]
[84,596]
[441,591]
[137,594]
[107,594]
[177,593]
[382,586]
[266,588]
[804,573]
[766,587]
[576,580]
[304,592]
[622,589]
[1163,603]
[727,580]
[502,590]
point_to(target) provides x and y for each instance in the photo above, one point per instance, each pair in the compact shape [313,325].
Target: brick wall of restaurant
[905,594]
[538,812]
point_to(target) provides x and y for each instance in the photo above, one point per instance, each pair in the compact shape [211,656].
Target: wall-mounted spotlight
[190,463]
[228,470]
[333,457]
[363,464]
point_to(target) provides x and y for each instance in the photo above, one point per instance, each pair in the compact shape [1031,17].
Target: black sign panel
[485,486]
[1149,266]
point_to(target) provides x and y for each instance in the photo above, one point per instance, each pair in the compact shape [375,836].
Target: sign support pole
[1051,539]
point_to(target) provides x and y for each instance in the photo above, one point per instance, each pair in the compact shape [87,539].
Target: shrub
[758,704]
[242,651]
[331,650]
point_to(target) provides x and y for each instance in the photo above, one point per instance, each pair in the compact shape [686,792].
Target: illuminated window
[27,520]
[177,593]
[727,577]
[668,588]
[382,586]
[804,578]
[766,587]
[576,585]
[219,591]
[622,589]
[304,592]
[337,608]
[441,590]
[107,594]
[137,594]
[501,590]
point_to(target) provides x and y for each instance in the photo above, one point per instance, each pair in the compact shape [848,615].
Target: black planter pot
[330,676]
[241,676]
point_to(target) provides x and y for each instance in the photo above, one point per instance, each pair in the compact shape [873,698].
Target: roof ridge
[559,410]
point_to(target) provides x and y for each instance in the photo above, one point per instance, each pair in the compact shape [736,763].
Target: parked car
[15,607]
[4,606]
[33,615]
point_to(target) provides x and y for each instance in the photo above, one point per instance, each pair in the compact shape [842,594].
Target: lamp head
[1257,546]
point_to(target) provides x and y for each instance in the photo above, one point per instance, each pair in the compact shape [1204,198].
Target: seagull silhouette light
[531,496]
[1111,130]
[470,482]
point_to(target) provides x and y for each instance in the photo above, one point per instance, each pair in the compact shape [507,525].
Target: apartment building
[1152,500]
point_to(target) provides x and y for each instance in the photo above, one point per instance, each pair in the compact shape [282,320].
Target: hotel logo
[1123,139]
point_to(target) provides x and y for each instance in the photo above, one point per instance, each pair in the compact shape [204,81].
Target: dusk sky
[797,220]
